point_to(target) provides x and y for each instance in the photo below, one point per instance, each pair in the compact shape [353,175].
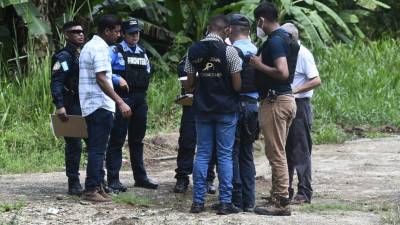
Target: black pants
[135,126]
[244,172]
[298,149]
[73,146]
[187,146]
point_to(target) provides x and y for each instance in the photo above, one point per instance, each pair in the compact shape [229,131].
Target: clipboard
[185,100]
[74,127]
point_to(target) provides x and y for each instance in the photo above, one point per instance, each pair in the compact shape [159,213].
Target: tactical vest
[247,74]
[71,84]
[135,72]
[214,90]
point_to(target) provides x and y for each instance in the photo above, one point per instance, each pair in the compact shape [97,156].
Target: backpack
[261,80]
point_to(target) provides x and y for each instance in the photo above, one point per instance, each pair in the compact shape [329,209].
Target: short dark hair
[236,29]
[107,22]
[218,23]
[70,24]
[267,10]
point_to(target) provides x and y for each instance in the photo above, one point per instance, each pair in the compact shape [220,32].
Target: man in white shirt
[98,100]
[299,143]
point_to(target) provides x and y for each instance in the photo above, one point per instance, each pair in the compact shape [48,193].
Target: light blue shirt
[248,49]
[118,62]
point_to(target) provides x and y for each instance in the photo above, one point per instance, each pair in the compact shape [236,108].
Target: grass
[132,199]
[7,207]
[392,217]
[360,87]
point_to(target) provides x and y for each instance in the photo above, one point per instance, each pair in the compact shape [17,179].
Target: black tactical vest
[214,90]
[135,72]
[247,74]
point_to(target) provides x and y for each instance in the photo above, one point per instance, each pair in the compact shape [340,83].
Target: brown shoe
[103,193]
[94,196]
[273,210]
[300,200]
[280,207]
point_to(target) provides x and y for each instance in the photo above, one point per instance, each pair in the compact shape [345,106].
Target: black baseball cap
[131,26]
[239,20]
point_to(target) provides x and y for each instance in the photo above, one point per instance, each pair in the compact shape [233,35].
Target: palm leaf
[5,3]
[307,25]
[322,7]
[31,16]
[323,29]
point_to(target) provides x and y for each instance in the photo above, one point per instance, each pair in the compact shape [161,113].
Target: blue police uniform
[132,64]
[187,144]
[64,90]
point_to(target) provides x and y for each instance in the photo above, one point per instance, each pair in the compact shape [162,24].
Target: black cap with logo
[131,26]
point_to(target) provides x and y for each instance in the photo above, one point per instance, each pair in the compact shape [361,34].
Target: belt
[272,94]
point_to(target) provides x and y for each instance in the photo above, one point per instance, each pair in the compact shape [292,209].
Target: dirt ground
[354,183]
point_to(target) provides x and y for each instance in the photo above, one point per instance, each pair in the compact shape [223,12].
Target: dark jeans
[73,146]
[135,126]
[243,194]
[187,146]
[214,129]
[298,149]
[99,125]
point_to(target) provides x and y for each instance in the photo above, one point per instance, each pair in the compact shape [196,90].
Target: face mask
[260,33]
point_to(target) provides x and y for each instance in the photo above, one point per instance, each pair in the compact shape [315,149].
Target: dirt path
[355,183]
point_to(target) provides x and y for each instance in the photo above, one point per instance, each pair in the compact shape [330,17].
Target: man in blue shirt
[278,107]
[243,194]
[131,76]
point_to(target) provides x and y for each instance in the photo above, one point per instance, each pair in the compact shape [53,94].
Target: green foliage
[392,217]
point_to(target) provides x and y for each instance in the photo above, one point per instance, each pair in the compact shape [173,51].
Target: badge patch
[65,66]
[56,66]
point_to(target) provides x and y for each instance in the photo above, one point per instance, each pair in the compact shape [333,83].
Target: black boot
[227,208]
[197,208]
[181,185]
[116,187]
[146,184]
[74,187]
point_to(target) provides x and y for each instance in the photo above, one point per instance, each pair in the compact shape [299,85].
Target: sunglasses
[76,31]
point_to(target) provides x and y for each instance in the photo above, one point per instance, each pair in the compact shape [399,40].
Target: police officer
[187,145]
[64,89]
[243,194]
[131,76]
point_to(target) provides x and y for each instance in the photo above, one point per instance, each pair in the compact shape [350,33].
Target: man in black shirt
[278,106]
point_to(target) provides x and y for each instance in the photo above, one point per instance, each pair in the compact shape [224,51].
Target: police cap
[239,20]
[130,26]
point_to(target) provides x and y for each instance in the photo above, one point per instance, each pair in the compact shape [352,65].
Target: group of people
[238,91]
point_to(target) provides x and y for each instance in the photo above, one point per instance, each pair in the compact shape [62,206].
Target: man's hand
[255,61]
[62,114]
[125,109]
[123,84]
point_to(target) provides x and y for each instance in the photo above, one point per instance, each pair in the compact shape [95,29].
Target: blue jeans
[99,125]
[243,194]
[135,126]
[214,129]
[187,147]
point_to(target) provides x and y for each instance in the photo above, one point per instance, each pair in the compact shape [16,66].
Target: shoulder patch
[56,66]
[65,66]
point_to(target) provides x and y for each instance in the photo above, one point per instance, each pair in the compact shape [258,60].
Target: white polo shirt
[305,71]
[94,58]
